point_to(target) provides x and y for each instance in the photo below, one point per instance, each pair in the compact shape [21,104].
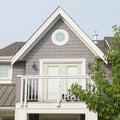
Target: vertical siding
[46,49]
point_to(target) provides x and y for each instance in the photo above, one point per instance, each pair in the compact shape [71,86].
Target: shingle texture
[102,45]
[7,95]
[105,44]
[11,49]
[108,40]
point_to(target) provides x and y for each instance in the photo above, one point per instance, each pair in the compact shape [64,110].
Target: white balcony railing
[35,89]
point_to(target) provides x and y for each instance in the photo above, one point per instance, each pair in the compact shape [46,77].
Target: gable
[49,23]
[46,49]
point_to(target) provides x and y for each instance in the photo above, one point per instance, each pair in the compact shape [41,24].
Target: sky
[19,19]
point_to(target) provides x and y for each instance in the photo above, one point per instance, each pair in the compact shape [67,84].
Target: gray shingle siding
[45,49]
[18,69]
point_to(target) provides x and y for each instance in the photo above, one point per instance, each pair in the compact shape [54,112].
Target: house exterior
[35,76]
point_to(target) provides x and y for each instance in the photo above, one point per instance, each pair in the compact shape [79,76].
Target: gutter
[6,58]
[7,108]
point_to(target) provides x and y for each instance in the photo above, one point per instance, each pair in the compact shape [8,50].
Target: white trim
[60,43]
[7,79]
[7,108]
[57,61]
[78,60]
[107,44]
[59,13]
[5,58]
[82,36]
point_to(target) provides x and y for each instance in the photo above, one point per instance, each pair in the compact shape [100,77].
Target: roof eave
[6,58]
[50,21]
[41,31]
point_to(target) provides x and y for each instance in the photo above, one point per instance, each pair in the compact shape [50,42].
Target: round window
[60,37]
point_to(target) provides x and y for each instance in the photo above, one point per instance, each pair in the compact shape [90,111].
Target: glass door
[51,85]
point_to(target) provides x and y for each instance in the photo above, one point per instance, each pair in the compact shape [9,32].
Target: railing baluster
[22,100]
[58,93]
[39,89]
[28,90]
[35,88]
[32,87]
[25,102]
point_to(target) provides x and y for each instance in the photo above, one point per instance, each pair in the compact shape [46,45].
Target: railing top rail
[55,77]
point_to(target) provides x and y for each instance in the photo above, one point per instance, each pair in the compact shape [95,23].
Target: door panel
[71,71]
[51,86]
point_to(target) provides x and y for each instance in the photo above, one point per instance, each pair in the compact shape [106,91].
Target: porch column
[20,114]
[91,115]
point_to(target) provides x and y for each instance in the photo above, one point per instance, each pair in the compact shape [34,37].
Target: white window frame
[9,78]
[53,37]
[57,61]
[77,60]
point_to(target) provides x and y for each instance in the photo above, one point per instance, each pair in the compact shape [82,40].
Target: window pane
[53,84]
[4,71]
[72,71]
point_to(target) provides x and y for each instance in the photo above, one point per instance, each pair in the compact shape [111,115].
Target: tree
[103,97]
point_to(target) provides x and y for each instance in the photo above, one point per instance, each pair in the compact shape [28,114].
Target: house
[35,75]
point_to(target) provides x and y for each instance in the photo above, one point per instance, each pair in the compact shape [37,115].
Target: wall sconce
[34,66]
[90,66]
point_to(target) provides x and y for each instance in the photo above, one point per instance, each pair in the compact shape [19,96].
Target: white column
[20,114]
[91,115]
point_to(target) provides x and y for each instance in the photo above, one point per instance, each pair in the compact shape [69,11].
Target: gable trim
[58,13]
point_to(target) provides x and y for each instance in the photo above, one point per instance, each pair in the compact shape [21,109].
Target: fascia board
[5,58]
[85,39]
[82,35]
[36,35]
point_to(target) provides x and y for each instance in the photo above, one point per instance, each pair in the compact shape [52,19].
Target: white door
[51,86]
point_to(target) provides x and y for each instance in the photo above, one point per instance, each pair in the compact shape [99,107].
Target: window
[5,71]
[60,37]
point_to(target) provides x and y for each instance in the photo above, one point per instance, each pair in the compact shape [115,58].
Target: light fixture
[34,66]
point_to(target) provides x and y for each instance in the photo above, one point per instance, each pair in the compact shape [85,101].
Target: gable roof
[59,13]
[11,49]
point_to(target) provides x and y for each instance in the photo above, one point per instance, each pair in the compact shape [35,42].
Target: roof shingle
[11,49]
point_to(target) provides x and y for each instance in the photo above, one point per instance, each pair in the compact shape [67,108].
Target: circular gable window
[60,37]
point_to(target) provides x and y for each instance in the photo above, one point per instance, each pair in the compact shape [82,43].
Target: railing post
[35,91]
[59,93]
[25,100]
[40,89]
[21,98]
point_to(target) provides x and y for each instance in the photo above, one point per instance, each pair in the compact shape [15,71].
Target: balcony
[49,88]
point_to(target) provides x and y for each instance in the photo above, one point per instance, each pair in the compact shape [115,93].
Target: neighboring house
[35,75]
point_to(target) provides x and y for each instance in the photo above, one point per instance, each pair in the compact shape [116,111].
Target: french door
[51,86]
